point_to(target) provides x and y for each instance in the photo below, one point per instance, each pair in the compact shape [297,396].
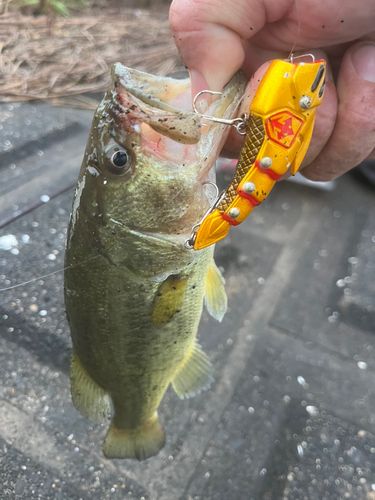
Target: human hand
[218,37]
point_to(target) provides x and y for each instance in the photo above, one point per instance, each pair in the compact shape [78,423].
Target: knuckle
[361,113]
[175,16]
[319,175]
[185,15]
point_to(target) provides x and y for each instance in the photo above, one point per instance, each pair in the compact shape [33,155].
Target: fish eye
[119,160]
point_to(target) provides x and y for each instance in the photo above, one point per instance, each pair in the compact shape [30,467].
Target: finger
[209,37]
[353,137]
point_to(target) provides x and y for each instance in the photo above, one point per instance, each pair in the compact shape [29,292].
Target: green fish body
[134,293]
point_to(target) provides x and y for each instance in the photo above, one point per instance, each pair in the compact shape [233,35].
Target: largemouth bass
[134,293]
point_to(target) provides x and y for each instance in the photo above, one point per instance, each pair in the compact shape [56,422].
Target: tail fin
[141,443]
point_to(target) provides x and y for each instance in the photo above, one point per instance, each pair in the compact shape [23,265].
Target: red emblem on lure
[283,128]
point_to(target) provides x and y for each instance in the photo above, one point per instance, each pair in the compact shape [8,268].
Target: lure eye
[119,161]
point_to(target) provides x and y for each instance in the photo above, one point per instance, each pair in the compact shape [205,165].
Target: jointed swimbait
[277,134]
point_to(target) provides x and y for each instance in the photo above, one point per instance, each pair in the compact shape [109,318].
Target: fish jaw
[164,105]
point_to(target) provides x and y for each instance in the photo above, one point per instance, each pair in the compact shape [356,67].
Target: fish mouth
[148,98]
[160,110]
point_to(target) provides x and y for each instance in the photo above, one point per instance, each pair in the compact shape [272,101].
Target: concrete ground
[291,415]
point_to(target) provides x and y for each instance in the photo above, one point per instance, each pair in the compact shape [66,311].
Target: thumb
[209,36]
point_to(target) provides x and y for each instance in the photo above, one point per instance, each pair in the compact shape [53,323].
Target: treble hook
[238,123]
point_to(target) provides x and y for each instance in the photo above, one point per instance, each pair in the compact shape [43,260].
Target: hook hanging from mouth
[189,243]
[238,123]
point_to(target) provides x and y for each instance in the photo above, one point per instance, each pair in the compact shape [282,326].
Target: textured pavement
[291,415]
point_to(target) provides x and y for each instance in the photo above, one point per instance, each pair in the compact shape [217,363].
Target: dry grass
[54,58]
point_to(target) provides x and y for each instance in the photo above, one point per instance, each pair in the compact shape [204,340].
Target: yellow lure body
[278,134]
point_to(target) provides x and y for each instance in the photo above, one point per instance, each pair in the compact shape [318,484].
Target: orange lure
[278,133]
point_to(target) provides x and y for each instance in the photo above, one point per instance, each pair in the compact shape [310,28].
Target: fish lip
[135,94]
[140,96]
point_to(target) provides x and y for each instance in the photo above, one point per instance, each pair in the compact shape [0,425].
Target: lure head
[287,99]
[309,83]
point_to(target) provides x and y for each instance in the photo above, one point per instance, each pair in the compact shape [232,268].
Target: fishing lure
[277,134]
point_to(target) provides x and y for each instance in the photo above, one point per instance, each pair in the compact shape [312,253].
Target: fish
[134,292]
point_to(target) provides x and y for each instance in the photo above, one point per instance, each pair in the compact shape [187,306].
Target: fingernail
[198,82]
[363,60]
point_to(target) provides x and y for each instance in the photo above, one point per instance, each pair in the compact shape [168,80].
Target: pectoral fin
[168,300]
[215,297]
[194,375]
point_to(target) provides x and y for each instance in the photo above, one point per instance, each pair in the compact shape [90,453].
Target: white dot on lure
[233,213]
[266,162]
[286,75]
[249,187]
[305,102]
